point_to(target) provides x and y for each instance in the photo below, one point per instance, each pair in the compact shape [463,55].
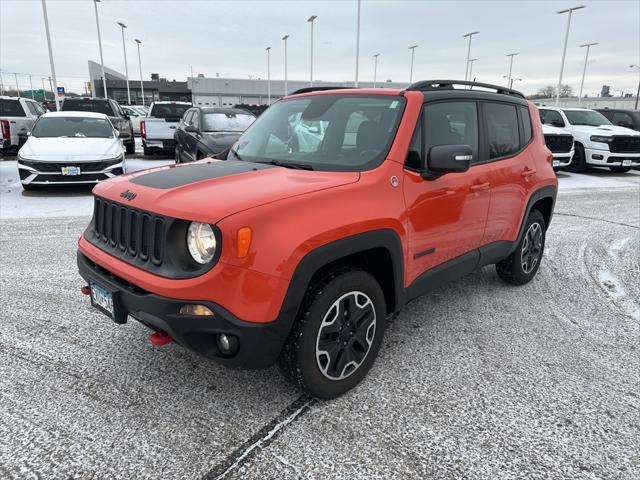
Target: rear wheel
[521,266]
[620,169]
[337,335]
[578,162]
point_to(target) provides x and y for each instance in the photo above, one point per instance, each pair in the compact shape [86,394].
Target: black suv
[209,131]
[622,118]
[118,117]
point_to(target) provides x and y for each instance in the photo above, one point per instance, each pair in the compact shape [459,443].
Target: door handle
[479,187]
[528,172]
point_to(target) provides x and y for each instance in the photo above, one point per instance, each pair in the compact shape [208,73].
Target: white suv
[597,141]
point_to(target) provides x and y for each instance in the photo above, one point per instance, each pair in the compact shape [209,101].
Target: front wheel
[578,161]
[521,266]
[620,169]
[337,335]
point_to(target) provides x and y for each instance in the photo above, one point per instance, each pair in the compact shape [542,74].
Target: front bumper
[605,158]
[259,344]
[47,173]
[562,159]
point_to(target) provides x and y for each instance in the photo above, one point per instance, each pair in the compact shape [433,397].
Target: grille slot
[625,144]
[559,143]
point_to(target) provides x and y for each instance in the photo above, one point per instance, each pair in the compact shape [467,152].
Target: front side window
[551,117]
[73,127]
[350,132]
[502,129]
[451,123]
[622,119]
[195,120]
[226,122]
[586,117]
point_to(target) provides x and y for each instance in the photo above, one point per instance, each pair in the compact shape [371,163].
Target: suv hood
[605,130]
[59,149]
[211,190]
[551,130]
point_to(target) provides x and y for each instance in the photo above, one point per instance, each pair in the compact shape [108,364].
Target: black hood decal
[191,173]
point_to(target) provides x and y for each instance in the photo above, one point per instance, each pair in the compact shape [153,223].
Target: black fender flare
[549,191]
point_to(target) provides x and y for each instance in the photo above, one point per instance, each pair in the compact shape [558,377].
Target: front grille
[91,177]
[56,167]
[625,144]
[129,232]
[559,143]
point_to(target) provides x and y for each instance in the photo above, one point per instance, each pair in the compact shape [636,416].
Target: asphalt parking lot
[475,380]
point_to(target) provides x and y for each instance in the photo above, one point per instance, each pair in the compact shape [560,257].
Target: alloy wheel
[531,248]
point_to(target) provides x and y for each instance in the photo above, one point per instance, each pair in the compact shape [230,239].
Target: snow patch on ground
[614,288]
[616,246]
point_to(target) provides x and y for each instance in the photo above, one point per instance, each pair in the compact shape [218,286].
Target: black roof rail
[430,85]
[318,89]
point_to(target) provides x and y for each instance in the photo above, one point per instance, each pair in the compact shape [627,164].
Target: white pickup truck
[598,143]
[158,127]
[17,116]
[560,142]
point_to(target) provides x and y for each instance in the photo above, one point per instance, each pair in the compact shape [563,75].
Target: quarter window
[452,123]
[525,125]
[502,129]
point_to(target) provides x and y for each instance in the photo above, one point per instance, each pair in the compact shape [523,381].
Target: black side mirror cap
[191,129]
[449,158]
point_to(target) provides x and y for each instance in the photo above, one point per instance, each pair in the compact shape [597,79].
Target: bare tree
[566,90]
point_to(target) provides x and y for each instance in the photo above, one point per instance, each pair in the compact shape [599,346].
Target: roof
[6,97]
[225,110]
[169,102]
[76,114]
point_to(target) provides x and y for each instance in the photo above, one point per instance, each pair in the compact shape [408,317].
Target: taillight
[143,130]
[6,131]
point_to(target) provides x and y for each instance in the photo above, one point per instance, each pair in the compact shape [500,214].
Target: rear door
[446,215]
[509,133]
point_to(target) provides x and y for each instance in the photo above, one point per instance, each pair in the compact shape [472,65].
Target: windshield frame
[43,118]
[371,164]
[587,112]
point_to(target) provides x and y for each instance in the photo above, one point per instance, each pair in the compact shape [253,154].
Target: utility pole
[126,68]
[31,85]
[17,86]
[140,65]
[564,50]
[584,69]
[53,68]
[412,48]
[311,20]
[357,44]
[510,67]
[286,89]
[104,77]
[268,75]
[466,71]
[375,69]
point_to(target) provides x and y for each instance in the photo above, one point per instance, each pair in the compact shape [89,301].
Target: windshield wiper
[235,154]
[295,166]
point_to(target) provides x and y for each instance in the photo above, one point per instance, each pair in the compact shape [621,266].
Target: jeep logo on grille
[128,195]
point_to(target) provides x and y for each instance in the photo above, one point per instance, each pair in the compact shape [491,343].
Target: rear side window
[95,106]
[525,126]
[452,123]
[502,129]
[11,108]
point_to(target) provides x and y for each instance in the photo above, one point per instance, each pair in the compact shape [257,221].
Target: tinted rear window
[169,110]
[95,106]
[11,108]
[502,129]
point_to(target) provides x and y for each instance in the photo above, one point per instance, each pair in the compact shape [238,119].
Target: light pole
[53,68]
[104,77]
[466,71]
[44,90]
[140,65]
[311,20]
[17,86]
[584,70]
[510,67]
[268,75]
[564,50]
[357,44]
[286,90]
[471,60]
[413,50]
[126,68]
[31,85]
[638,92]
[375,69]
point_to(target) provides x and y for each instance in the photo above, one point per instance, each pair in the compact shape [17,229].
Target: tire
[620,169]
[146,151]
[578,162]
[520,267]
[131,147]
[324,321]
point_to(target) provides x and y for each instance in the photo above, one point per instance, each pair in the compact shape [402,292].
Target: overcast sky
[230,37]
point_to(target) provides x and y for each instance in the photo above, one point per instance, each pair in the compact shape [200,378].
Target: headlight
[201,242]
[600,139]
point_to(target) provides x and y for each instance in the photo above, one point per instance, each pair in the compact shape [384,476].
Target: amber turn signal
[244,242]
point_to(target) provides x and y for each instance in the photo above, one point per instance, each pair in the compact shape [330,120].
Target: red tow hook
[160,338]
[85,290]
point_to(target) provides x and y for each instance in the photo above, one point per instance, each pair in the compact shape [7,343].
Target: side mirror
[557,124]
[127,116]
[625,124]
[191,129]
[121,134]
[449,158]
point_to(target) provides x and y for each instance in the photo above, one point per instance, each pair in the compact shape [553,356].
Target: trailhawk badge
[128,195]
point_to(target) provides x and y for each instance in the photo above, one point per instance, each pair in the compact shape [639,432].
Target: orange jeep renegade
[331,212]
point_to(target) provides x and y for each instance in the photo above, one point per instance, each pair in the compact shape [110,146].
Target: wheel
[521,266]
[578,162]
[131,147]
[620,169]
[337,335]
[146,151]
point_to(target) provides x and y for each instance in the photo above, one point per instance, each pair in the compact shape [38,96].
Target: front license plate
[556,163]
[102,299]
[70,171]
[626,163]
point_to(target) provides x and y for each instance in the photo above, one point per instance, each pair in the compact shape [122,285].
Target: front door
[446,215]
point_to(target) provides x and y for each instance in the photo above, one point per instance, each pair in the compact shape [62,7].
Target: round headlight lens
[201,242]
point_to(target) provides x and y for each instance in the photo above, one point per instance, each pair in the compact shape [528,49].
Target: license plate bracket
[556,163]
[107,302]
[70,171]
[626,163]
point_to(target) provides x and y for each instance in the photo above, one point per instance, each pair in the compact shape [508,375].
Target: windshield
[324,132]
[169,110]
[95,106]
[586,117]
[78,127]
[226,122]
